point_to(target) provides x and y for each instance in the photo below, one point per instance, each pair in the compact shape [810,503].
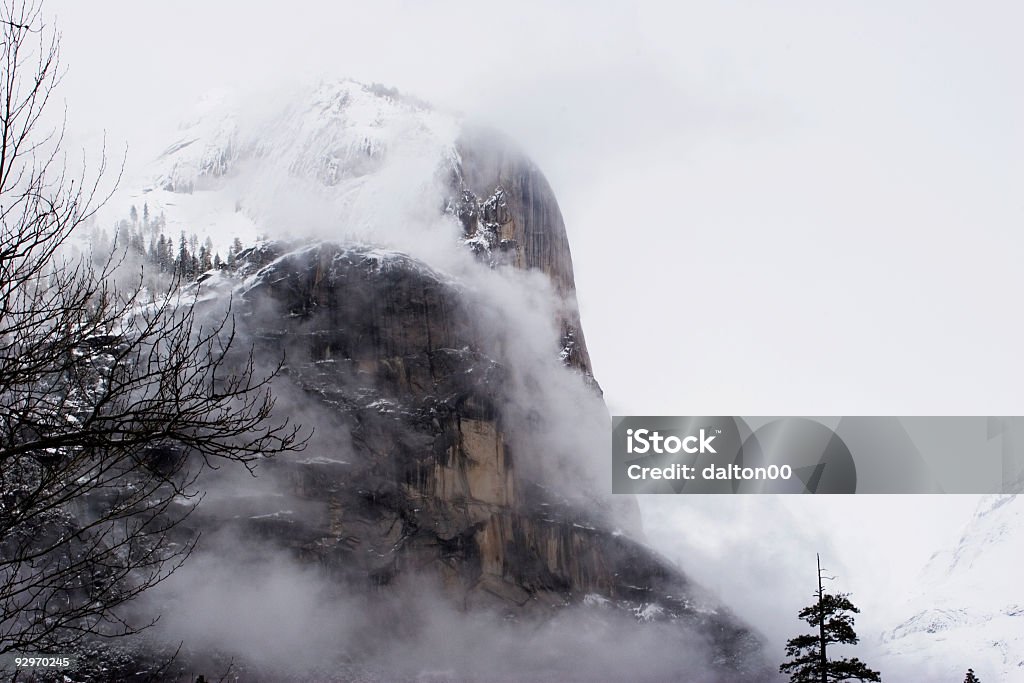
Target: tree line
[145,238]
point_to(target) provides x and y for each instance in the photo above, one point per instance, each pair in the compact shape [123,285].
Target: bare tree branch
[113,401]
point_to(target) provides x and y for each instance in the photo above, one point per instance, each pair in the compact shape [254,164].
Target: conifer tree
[832,616]
[163,254]
[971,678]
[206,255]
[184,258]
[233,250]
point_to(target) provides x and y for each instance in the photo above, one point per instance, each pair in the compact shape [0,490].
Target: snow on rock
[649,612]
[266,261]
[595,600]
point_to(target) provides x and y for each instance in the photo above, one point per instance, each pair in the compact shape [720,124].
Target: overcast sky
[802,208]
[809,209]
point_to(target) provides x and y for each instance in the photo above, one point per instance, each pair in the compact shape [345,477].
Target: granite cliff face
[507,202]
[461,438]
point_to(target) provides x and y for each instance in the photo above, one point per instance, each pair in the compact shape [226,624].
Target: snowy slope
[968,608]
[338,159]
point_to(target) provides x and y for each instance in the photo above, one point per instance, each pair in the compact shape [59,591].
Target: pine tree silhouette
[832,616]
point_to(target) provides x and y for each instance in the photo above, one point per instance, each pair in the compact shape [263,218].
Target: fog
[247,603]
[800,209]
[282,618]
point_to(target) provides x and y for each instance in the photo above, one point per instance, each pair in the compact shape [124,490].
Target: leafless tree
[112,400]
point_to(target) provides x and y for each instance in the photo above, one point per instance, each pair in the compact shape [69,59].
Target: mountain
[419,283]
[968,608]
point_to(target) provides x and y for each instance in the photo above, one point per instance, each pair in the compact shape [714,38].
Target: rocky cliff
[507,203]
[461,438]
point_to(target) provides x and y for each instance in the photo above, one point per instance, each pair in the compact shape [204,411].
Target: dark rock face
[416,469]
[429,482]
[508,201]
[430,477]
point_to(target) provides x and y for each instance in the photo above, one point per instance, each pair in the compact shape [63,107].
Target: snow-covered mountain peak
[336,159]
[332,131]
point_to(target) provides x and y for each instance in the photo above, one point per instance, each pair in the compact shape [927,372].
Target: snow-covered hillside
[299,163]
[968,608]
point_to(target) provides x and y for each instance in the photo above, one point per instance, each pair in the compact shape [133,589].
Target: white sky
[774,208]
[808,209]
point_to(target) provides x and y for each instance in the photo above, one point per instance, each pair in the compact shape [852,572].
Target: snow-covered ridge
[269,259]
[255,266]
